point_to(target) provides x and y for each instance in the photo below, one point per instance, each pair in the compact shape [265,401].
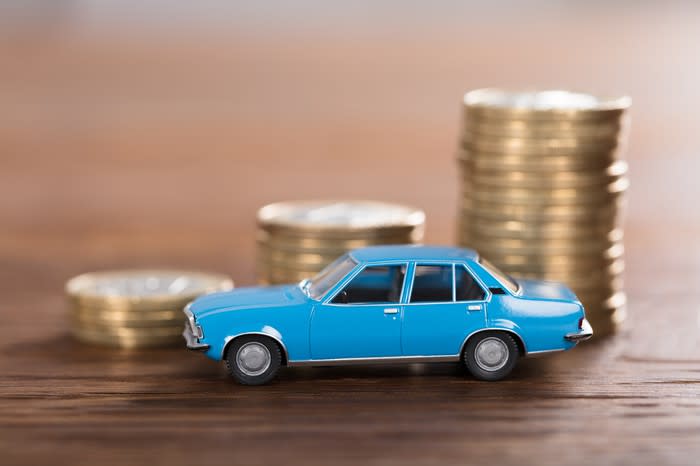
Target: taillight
[580,322]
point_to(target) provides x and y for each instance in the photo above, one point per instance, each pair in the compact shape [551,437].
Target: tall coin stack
[136,308]
[297,239]
[543,181]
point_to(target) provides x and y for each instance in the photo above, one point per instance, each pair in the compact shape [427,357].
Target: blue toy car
[388,304]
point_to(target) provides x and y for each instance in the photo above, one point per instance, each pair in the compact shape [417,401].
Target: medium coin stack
[543,181]
[297,239]
[136,308]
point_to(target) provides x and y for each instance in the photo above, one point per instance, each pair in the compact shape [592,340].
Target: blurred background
[148,133]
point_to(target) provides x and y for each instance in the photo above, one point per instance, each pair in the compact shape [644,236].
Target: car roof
[412,252]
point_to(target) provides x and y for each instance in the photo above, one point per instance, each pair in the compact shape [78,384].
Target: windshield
[326,278]
[501,276]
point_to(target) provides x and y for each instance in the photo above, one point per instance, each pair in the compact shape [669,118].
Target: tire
[491,355]
[253,359]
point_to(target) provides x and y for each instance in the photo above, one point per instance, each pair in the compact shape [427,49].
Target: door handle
[391,310]
[474,307]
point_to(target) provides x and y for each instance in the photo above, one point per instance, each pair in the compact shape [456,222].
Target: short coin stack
[297,239]
[136,308]
[543,183]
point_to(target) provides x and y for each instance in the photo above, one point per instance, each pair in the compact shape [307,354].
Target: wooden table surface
[122,149]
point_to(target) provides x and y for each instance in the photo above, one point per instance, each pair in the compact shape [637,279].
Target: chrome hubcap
[253,358]
[491,354]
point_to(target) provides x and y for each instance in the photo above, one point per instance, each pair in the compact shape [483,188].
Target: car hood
[247,298]
[537,289]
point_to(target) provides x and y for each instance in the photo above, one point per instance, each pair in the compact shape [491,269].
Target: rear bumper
[583,334]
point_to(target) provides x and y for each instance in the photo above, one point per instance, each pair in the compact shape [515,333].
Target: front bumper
[191,340]
[583,334]
[189,334]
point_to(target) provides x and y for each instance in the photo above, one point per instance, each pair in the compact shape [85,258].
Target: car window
[330,275]
[374,284]
[507,281]
[432,283]
[466,287]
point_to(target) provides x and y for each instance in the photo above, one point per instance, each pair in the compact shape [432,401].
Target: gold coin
[472,240]
[550,248]
[558,180]
[557,202]
[499,163]
[278,276]
[605,321]
[384,236]
[590,278]
[550,105]
[122,320]
[481,230]
[528,148]
[545,129]
[604,217]
[264,263]
[613,237]
[608,297]
[544,226]
[536,263]
[536,214]
[518,181]
[294,266]
[608,169]
[130,332]
[553,268]
[558,196]
[285,257]
[340,217]
[125,307]
[600,288]
[143,288]
[331,247]
[129,342]
[525,230]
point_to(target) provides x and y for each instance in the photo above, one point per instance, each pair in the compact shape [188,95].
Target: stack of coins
[136,308]
[297,239]
[543,181]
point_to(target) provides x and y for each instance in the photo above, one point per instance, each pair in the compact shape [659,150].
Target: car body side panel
[355,331]
[541,324]
[288,324]
[438,329]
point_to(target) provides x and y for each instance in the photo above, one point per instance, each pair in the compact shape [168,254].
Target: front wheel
[253,359]
[491,355]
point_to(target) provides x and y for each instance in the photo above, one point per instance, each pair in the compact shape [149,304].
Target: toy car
[388,304]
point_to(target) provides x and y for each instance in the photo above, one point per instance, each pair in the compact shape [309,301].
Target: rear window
[505,279]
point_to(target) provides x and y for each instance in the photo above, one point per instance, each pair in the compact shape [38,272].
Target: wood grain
[126,151]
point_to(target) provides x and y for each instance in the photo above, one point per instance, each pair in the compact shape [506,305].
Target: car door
[363,319]
[445,304]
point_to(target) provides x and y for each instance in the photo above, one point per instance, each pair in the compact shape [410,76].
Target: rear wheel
[491,355]
[253,359]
